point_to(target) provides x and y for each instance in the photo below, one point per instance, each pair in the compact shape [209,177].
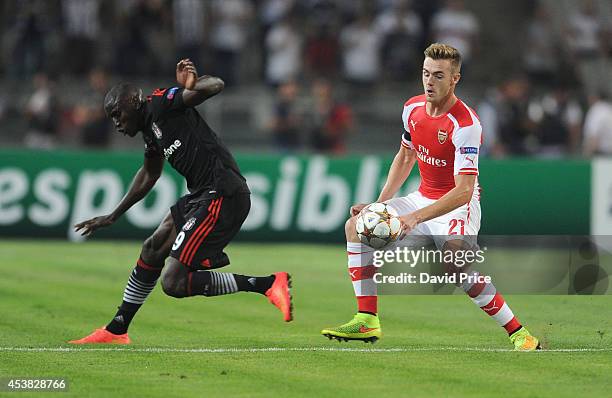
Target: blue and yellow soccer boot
[364,327]
[524,341]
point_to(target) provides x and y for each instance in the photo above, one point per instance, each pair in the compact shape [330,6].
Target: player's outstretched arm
[143,182]
[197,89]
[398,173]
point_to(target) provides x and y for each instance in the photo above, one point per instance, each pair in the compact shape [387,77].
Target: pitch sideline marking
[283,349]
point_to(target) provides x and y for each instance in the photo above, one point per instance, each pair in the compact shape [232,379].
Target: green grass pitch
[51,292]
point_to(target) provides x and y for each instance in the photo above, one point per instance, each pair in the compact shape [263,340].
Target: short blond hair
[444,51]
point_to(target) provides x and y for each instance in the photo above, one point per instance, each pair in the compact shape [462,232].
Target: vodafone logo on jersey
[170,150]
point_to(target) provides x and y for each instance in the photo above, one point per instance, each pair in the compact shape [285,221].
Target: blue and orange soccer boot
[279,294]
[364,327]
[103,336]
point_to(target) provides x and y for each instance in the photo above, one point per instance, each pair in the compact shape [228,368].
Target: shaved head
[125,105]
[125,96]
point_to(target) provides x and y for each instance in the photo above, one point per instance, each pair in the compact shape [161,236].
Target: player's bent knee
[459,248]
[174,286]
[349,228]
[174,282]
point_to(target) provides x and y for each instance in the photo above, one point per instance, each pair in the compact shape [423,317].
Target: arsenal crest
[156,131]
[442,135]
[189,224]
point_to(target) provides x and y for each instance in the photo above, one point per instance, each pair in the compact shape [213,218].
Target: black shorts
[205,223]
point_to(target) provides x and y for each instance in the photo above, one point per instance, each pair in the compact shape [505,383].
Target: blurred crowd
[558,103]
[550,103]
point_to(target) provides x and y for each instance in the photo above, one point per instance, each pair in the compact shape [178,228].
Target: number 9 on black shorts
[205,223]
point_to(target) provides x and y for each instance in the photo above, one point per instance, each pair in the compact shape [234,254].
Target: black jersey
[179,134]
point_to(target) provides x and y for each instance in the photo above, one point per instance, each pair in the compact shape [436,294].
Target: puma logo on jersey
[170,150]
[413,124]
[471,160]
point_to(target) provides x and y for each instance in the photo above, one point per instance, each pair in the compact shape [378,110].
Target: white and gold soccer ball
[378,225]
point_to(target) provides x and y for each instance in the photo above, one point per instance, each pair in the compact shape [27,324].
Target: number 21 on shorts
[457,227]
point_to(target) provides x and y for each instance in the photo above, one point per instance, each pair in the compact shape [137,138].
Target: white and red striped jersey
[446,145]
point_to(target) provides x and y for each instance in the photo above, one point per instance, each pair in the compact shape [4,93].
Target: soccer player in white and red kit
[443,135]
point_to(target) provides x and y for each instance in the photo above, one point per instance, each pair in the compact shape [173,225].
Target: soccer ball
[378,225]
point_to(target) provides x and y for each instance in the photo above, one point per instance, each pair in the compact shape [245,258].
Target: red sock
[368,304]
[362,272]
[485,296]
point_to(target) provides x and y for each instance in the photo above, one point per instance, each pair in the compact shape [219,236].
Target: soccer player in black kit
[194,233]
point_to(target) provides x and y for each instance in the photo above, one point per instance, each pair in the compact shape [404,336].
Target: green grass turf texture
[51,292]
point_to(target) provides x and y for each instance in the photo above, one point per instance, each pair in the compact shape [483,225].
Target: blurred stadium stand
[37,38]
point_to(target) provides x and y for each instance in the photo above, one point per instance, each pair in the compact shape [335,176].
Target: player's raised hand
[356,209]
[88,227]
[186,74]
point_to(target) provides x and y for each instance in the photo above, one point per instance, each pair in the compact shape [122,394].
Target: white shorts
[462,223]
